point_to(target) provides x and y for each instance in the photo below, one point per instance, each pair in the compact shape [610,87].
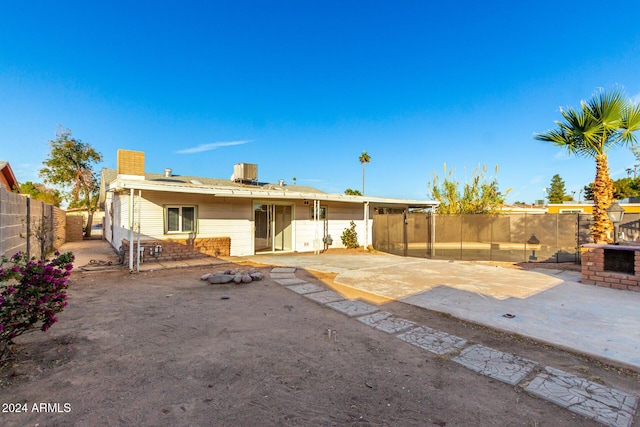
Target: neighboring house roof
[8,178]
[227,188]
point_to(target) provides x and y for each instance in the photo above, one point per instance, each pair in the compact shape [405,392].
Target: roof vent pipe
[167,172]
[281,182]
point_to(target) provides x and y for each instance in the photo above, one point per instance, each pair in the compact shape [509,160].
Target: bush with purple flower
[32,292]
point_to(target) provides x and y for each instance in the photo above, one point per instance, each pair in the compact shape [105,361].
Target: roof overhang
[120,184]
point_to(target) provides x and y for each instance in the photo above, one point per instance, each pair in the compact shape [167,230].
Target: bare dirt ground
[164,349]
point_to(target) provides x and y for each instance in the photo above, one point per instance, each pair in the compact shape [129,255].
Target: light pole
[615,213]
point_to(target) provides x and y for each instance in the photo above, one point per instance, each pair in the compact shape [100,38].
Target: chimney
[130,164]
[281,182]
[167,172]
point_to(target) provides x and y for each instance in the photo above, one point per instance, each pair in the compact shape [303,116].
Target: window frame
[324,213]
[180,209]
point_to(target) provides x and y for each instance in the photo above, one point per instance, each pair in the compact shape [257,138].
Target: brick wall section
[593,272]
[181,249]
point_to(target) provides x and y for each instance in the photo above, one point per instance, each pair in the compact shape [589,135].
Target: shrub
[349,236]
[31,292]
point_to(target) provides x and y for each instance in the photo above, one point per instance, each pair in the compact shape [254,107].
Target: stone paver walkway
[387,322]
[437,342]
[504,367]
[605,405]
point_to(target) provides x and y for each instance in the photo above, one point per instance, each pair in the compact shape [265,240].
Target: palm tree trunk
[603,192]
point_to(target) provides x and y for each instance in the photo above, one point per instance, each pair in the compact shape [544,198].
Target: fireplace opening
[619,261]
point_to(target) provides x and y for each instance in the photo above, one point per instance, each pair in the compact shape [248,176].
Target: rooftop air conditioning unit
[245,172]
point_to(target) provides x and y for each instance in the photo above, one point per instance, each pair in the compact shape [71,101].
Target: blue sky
[302,88]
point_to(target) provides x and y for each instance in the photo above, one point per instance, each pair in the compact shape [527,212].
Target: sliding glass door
[273,229]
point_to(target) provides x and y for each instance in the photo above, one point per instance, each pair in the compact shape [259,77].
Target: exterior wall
[339,217]
[593,272]
[217,217]
[119,227]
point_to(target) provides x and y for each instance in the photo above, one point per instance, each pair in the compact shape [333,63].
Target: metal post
[139,214]
[131,231]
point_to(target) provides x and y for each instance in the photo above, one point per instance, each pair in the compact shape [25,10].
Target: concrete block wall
[181,249]
[59,227]
[593,272]
[13,225]
[74,230]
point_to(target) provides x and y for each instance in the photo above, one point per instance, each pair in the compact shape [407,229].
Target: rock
[217,279]
[237,278]
[206,276]
[246,278]
[257,275]
[228,272]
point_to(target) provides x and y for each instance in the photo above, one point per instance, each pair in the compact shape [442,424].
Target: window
[180,219]
[322,214]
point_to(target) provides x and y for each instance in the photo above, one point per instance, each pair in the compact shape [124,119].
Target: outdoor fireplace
[620,261]
[611,266]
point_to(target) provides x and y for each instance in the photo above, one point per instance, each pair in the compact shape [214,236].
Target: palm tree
[607,120]
[364,159]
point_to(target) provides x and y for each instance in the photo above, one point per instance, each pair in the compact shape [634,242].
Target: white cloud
[561,155]
[209,147]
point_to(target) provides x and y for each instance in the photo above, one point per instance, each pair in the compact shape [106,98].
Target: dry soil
[167,349]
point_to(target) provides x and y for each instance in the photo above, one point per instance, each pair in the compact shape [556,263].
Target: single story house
[175,217]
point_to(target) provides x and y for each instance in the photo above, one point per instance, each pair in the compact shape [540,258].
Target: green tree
[607,120]
[351,192]
[477,196]
[70,165]
[622,189]
[364,159]
[41,192]
[557,191]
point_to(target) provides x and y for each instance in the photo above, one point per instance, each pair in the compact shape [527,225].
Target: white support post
[316,217]
[366,225]
[131,231]
[139,218]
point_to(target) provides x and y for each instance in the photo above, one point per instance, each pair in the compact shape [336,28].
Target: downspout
[131,231]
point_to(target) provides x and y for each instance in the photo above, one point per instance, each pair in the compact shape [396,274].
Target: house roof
[227,188]
[9,176]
